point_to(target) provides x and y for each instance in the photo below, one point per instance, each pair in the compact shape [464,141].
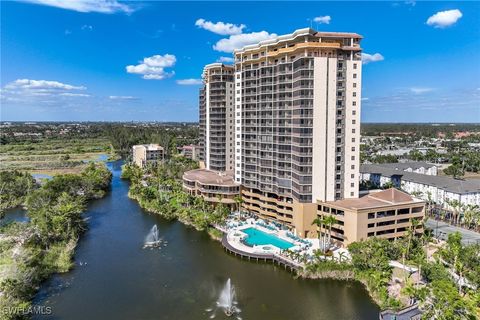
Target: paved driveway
[443,229]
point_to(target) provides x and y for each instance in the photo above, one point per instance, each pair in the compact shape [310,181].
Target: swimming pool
[256,237]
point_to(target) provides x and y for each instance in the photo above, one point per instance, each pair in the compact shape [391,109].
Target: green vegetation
[441,294]
[169,137]
[53,155]
[158,189]
[14,187]
[30,252]
[416,130]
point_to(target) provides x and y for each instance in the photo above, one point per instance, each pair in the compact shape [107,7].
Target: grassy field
[53,156]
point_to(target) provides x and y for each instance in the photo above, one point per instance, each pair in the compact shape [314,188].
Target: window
[354,66]
[354,85]
[353,139]
[352,184]
[354,94]
[353,130]
[353,148]
[353,157]
[354,76]
[354,121]
[354,103]
[352,194]
[371,225]
[352,167]
[352,176]
[354,112]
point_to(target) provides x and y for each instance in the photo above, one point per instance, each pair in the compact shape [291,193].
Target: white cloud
[225,59]
[87,27]
[323,19]
[188,82]
[367,58]
[154,67]
[41,91]
[418,90]
[444,19]
[411,3]
[40,85]
[122,98]
[221,28]
[240,40]
[365,99]
[101,6]
[70,94]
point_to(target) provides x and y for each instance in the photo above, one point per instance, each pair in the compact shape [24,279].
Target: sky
[104,60]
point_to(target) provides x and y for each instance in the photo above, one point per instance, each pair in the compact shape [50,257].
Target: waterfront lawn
[32,251]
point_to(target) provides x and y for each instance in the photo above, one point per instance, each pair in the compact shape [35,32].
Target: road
[468,236]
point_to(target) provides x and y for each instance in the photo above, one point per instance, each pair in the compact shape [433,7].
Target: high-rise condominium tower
[217,117]
[297,123]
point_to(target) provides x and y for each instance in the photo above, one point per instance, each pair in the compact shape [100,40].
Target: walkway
[442,230]
[259,257]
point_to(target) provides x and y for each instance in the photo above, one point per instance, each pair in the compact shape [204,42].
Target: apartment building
[386,214]
[144,154]
[297,123]
[191,152]
[438,189]
[216,100]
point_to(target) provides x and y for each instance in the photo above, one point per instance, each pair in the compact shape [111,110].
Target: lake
[115,278]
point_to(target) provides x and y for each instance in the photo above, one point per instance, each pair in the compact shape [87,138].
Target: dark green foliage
[14,186]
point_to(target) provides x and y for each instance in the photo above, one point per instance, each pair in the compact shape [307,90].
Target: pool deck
[248,253]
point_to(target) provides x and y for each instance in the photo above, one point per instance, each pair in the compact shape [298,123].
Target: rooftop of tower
[298,33]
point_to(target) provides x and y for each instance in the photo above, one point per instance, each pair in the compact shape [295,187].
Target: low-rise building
[438,189]
[191,152]
[384,214]
[144,154]
[213,186]
[412,166]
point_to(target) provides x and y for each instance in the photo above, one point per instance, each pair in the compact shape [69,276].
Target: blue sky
[109,61]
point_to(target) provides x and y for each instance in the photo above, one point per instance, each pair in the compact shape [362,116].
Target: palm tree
[341,256]
[469,213]
[238,201]
[329,221]
[319,223]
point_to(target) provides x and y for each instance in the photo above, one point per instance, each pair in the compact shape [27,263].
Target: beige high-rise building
[297,123]
[217,117]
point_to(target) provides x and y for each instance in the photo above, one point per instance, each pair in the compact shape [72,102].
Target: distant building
[412,166]
[191,152]
[439,189]
[143,154]
[385,214]
[213,186]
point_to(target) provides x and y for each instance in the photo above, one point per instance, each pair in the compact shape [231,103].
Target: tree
[238,201]
[321,238]
[329,221]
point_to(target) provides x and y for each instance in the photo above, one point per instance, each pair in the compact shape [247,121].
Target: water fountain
[227,301]
[152,239]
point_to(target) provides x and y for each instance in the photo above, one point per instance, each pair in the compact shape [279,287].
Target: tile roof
[389,197]
[441,182]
